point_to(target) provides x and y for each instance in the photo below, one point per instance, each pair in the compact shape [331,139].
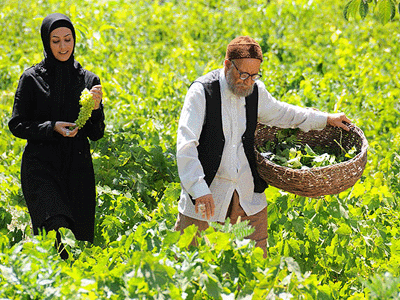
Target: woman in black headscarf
[57,175]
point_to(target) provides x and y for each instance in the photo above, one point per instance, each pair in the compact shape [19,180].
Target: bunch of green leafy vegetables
[288,151]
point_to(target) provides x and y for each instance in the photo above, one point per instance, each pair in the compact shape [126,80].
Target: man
[215,144]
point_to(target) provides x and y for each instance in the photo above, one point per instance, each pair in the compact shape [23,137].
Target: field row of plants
[147,53]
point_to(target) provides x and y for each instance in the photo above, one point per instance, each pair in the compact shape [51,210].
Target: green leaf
[363,9]
[229,264]
[298,225]
[171,238]
[292,266]
[344,229]
[312,234]
[346,10]
[309,150]
[393,2]
[186,238]
[5,218]
[351,9]
[213,287]
[385,10]
[67,237]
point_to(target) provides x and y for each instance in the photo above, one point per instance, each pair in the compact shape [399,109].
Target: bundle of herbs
[288,151]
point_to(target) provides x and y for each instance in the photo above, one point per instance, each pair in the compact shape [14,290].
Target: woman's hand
[97,95]
[63,129]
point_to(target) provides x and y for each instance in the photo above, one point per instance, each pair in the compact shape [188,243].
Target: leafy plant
[385,10]
[146,54]
[286,150]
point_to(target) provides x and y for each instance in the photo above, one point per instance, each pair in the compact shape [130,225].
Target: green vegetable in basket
[288,151]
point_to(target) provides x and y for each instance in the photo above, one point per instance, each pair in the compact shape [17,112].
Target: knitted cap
[243,47]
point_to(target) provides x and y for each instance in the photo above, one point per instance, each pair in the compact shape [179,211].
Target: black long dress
[57,176]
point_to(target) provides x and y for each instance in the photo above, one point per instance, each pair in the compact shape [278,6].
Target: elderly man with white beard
[215,142]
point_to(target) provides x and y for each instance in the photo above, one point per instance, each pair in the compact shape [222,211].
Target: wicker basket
[318,181]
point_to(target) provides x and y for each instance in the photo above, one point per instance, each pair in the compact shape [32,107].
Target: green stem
[341,147]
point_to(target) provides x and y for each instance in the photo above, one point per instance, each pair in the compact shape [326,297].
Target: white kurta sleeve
[276,113]
[190,126]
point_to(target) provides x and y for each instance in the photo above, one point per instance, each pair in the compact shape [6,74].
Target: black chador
[57,175]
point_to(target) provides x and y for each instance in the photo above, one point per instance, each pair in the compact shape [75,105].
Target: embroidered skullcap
[243,47]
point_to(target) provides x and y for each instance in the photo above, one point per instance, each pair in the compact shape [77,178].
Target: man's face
[239,87]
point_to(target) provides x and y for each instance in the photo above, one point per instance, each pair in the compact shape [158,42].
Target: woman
[57,175]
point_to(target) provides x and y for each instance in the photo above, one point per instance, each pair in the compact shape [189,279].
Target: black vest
[212,141]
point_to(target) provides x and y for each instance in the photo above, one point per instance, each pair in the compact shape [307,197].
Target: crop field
[146,53]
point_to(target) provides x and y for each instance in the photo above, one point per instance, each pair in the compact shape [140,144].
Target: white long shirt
[234,172]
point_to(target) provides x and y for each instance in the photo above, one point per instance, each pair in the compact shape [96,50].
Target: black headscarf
[62,72]
[50,23]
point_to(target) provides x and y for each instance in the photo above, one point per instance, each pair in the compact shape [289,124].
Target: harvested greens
[286,150]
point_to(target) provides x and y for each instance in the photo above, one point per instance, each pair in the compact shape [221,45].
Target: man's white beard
[233,87]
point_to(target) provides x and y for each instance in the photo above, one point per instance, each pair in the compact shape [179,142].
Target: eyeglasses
[245,75]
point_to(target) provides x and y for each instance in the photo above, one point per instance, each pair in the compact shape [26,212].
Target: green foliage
[383,287]
[355,6]
[146,54]
[288,151]
[385,10]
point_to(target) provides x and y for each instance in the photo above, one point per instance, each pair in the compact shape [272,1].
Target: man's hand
[205,205]
[337,120]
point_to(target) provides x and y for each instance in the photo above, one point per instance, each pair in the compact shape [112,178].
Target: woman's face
[61,43]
